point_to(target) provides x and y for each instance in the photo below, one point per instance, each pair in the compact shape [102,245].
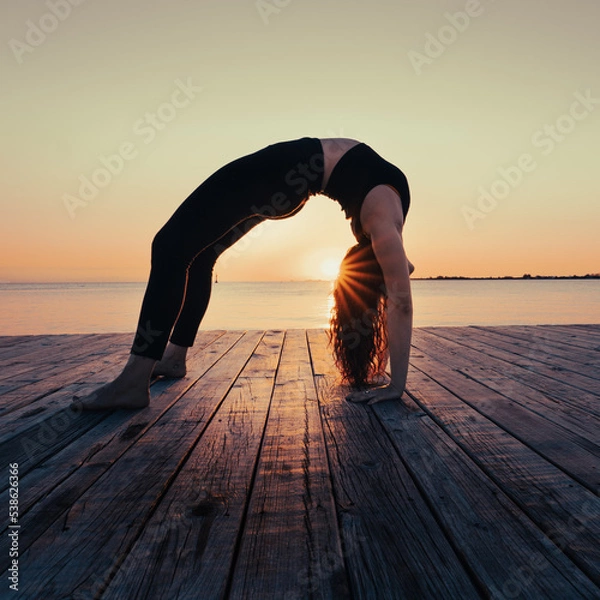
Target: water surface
[113,307]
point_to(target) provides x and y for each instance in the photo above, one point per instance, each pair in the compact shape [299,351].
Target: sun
[330,267]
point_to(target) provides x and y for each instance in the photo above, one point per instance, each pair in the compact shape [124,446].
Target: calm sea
[113,307]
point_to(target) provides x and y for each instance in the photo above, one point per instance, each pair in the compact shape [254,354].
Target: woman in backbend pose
[372,316]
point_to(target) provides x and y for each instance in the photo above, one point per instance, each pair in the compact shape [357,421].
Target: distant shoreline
[525,277]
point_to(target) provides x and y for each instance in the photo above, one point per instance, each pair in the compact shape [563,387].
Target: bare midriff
[333,150]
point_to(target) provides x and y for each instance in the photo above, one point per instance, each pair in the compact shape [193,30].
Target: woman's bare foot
[170,368]
[172,364]
[131,389]
[113,395]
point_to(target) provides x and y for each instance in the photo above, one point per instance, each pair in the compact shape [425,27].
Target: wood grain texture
[36,385]
[535,360]
[189,542]
[49,490]
[44,354]
[391,539]
[252,477]
[480,519]
[105,521]
[291,497]
[565,512]
[573,453]
[545,347]
[516,383]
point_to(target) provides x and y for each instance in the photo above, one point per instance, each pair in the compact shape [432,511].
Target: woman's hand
[374,395]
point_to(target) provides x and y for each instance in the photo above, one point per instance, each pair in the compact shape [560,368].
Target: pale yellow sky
[492,109]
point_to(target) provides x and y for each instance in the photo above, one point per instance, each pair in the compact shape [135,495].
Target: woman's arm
[389,251]
[382,220]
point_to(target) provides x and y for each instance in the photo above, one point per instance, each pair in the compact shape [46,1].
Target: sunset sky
[492,109]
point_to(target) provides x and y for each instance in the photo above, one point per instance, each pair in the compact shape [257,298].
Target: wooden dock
[253,478]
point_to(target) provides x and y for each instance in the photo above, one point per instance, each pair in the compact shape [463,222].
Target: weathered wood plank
[51,424]
[104,444]
[291,498]
[545,378]
[189,542]
[569,416]
[44,406]
[22,343]
[564,338]
[131,522]
[79,552]
[543,346]
[566,512]
[499,376]
[393,546]
[52,379]
[12,341]
[43,355]
[560,397]
[510,557]
[535,359]
[573,453]
[103,365]
[591,327]
[590,331]
[14,389]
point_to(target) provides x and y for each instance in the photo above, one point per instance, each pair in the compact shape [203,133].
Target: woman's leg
[178,291]
[172,253]
[197,296]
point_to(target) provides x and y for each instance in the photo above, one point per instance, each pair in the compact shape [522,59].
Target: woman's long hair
[357,328]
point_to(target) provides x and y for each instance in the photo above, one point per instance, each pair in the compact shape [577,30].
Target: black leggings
[272,183]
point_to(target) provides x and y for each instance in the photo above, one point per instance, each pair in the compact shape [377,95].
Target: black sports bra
[358,171]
